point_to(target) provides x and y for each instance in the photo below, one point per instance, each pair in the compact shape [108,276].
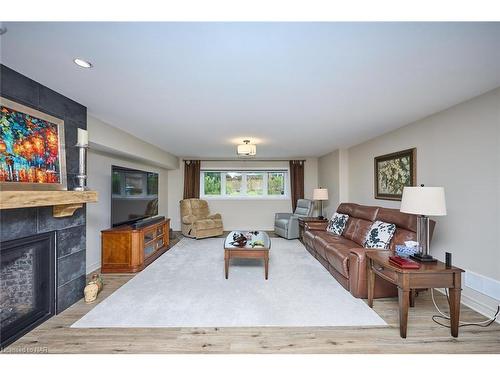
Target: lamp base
[424,258]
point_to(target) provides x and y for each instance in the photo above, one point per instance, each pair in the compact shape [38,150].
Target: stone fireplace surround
[23,222]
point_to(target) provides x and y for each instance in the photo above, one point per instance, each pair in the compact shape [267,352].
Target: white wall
[458,148]
[241,213]
[106,138]
[329,177]
[100,160]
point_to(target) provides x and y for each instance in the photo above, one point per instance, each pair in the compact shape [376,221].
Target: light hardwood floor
[424,336]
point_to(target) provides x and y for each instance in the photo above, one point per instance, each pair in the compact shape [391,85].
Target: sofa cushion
[309,237]
[208,224]
[380,235]
[337,254]
[358,211]
[356,230]
[394,216]
[325,239]
[281,223]
[337,223]
[400,237]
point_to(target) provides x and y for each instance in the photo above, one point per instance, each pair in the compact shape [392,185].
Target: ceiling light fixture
[83,63]
[246,149]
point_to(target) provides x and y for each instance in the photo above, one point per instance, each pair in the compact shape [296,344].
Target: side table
[429,275]
[308,219]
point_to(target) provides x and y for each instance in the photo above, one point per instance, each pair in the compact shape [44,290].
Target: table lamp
[321,195]
[423,201]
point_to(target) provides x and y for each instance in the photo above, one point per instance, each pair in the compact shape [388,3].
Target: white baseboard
[483,284]
[486,309]
[92,267]
[480,293]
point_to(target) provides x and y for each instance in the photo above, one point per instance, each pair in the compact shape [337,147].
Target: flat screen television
[134,195]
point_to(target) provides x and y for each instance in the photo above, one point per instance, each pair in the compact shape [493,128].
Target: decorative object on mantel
[320,195]
[82,144]
[423,201]
[32,151]
[393,172]
[64,202]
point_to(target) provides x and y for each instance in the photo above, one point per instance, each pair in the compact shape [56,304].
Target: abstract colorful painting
[31,148]
[393,172]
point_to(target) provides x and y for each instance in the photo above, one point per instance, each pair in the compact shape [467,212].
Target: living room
[250,187]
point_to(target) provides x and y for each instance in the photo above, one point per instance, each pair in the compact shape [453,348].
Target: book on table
[403,262]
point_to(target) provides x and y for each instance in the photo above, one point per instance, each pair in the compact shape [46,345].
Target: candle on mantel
[83,137]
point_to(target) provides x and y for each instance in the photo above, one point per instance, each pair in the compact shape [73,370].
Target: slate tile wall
[70,231]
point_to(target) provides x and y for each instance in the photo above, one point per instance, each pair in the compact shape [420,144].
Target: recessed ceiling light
[82,63]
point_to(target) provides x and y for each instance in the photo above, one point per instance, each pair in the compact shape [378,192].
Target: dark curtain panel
[296,181]
[191,179]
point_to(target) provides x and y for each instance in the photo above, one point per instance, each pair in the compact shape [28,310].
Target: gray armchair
[286,225]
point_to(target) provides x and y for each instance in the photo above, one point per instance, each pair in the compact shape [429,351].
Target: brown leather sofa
[344,256]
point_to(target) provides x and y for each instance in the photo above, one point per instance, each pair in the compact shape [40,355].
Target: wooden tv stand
[125,249]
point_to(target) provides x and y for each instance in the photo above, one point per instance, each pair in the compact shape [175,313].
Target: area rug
[186,287]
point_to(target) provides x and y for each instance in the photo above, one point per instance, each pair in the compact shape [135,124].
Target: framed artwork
[32,153]
[393,172]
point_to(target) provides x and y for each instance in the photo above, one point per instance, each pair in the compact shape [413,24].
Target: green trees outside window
[276,183]
[255,184]
[212,183]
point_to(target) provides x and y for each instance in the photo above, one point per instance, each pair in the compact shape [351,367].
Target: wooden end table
[429,275]
[308,219]
[247,251]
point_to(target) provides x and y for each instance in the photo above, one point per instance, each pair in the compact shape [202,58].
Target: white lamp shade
[423,200]
[247,149]
[320,194]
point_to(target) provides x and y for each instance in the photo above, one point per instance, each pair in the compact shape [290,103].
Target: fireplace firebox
[27,284]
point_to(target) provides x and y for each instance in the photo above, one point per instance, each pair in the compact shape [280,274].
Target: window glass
[212,183]
[276,183]
[252,184]
[233,183]
[255,183]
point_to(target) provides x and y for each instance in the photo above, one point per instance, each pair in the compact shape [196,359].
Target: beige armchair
[196,221]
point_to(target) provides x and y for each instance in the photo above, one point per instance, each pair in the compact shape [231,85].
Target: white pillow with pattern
[379,236]
[337,223]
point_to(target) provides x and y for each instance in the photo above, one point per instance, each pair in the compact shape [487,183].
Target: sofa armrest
[315,225]
[189,219]
[282,215]
[357,272]
[214,216]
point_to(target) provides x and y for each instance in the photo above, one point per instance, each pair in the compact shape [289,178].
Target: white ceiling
[297,89]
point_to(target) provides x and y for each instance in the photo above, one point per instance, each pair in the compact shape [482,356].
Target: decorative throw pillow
[379,236]
[337,223]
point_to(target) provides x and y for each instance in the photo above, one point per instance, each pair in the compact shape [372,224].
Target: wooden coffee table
[247,251]
[429,275]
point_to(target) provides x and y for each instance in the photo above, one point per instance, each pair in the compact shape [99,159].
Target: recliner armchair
[286,225]
[196,221]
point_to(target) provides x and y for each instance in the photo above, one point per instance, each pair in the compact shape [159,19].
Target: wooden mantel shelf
[64,202]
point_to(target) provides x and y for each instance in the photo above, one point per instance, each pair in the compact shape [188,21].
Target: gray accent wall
[70,231]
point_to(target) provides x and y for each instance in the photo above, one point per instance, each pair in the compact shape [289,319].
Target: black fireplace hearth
[27,284]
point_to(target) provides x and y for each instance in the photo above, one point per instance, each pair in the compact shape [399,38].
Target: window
[212,183]
[244,184]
